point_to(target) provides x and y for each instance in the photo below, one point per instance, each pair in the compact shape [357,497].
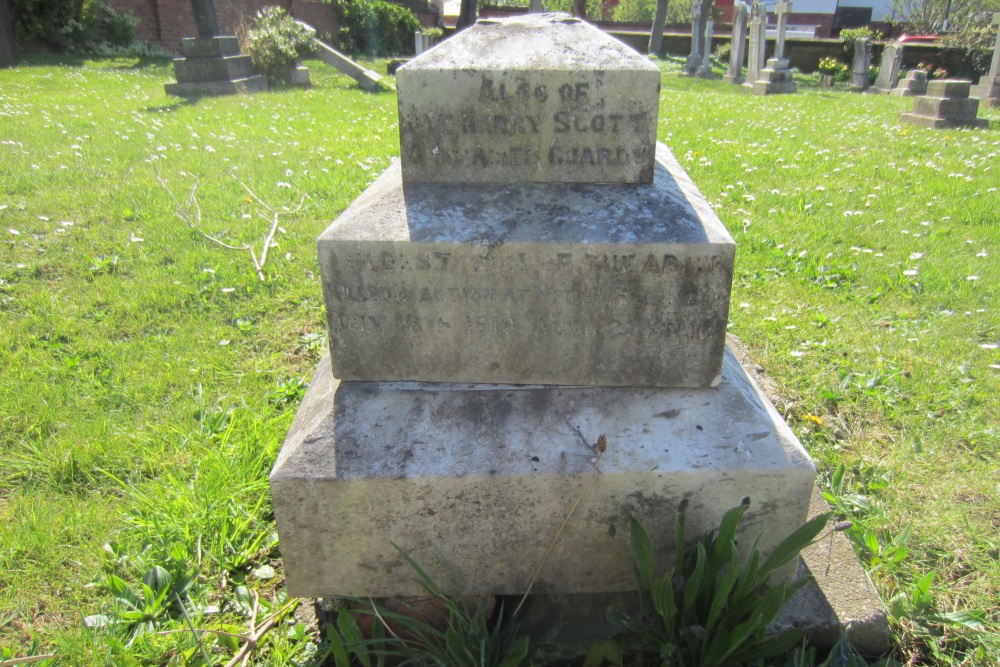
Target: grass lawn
[148,376]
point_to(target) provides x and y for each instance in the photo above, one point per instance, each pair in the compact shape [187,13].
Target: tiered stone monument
[738,45]
[987,91]
[914,83]
[946,104]
[860,70]
[758,42]
[536,272]
[212,64]
[776,78]
[888,70]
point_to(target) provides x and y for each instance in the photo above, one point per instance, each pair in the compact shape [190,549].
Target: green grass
[148,376]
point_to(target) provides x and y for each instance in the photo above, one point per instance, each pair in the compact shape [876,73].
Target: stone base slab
[529,284]
[473,481]
[252,84]
[738,80]
[941,123]
[226,68]
[987,91]
[775,81]
[211,47]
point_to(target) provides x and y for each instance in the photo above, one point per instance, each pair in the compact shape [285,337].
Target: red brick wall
[169,21]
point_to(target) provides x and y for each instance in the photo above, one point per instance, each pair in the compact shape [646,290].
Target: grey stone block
[367,79]
[941,123]
[213,69]
[540,98]
[523,284]
[212,47]
[474,481]
[952,108]
[948,88]
[252,84]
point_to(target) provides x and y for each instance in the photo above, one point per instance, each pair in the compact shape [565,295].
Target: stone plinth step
[211,47]
[226,68]
[520,100]
[473,481]
[947,104]
[529,284]
[252,84]
[987,91]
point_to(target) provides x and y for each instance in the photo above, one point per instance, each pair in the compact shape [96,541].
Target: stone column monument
[860,77]
[535,273]
[738,45]
[758,42]
[212,64]
[705,70]
[693,61]
[776,78]
[947,104]
[987,91]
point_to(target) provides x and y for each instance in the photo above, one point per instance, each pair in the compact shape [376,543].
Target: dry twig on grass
[190,213]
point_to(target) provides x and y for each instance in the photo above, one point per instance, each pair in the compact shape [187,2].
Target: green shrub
[828,66]
[376,27]
[276,41]
[78,26]
[642,11]
[723,51]
[850,35]
[595,8]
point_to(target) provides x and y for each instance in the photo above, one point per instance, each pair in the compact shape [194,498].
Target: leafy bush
[376,27]
[595,8]
[723,51]
[851,35]
[276,41]
[80,26]
[642,11]
[828,65]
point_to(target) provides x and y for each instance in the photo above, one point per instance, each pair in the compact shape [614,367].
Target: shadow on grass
[132,63]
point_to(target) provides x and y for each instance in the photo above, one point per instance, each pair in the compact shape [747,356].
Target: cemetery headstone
[212,64]
[946,104]
[705,71]
[860,71]
[738,45]
[758,42]
[914,83]
[693,61]
[888,71]
[598,299]
[776,78]
[987,91]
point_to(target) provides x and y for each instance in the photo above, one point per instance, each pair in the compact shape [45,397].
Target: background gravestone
[693,61]
[758,42]
[888,71]
[738,45]
[987,91]
[705,70]
[914,83]
[860,71]
[776,78]
[947,104]
[579,305]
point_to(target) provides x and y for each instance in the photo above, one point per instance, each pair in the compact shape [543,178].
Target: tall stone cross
[781,11]
[206,21]
[995,63]
[695,32]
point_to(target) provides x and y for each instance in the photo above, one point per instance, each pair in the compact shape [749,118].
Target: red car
[920,39]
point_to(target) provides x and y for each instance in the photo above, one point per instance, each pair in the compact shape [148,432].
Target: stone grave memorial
[694,60]
[946,104]
[738,50]
[914,83]
[705,70]
[212,64]
[776,78]
[536,272]
[888,70]
[987,91]
[758,42]
[860,69]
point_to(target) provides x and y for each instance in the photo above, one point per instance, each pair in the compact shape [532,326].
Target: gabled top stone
[539,98]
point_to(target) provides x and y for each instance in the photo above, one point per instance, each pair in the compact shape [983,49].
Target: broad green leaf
[642,554]
[727,533]
[790,547]
[722,590]
[692,588]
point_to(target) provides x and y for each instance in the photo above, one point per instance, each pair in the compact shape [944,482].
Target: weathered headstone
[212,64]
[888,71]
[603,307]
[705,71]
[758,42]
[946,104]
[914,83]
[776,78]
[987,91]
[738,45]
[860,71]
[693,61]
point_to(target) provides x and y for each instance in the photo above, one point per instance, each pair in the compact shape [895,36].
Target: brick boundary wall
[167,22]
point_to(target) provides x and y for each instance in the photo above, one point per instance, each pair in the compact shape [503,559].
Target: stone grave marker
[758,42]
[914,83]
[212,64]
[946,104]
[860,76]
[483,335]
[888,71]
[776,78]
[738,44]
[705,71]
[694,60]
[987,91]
